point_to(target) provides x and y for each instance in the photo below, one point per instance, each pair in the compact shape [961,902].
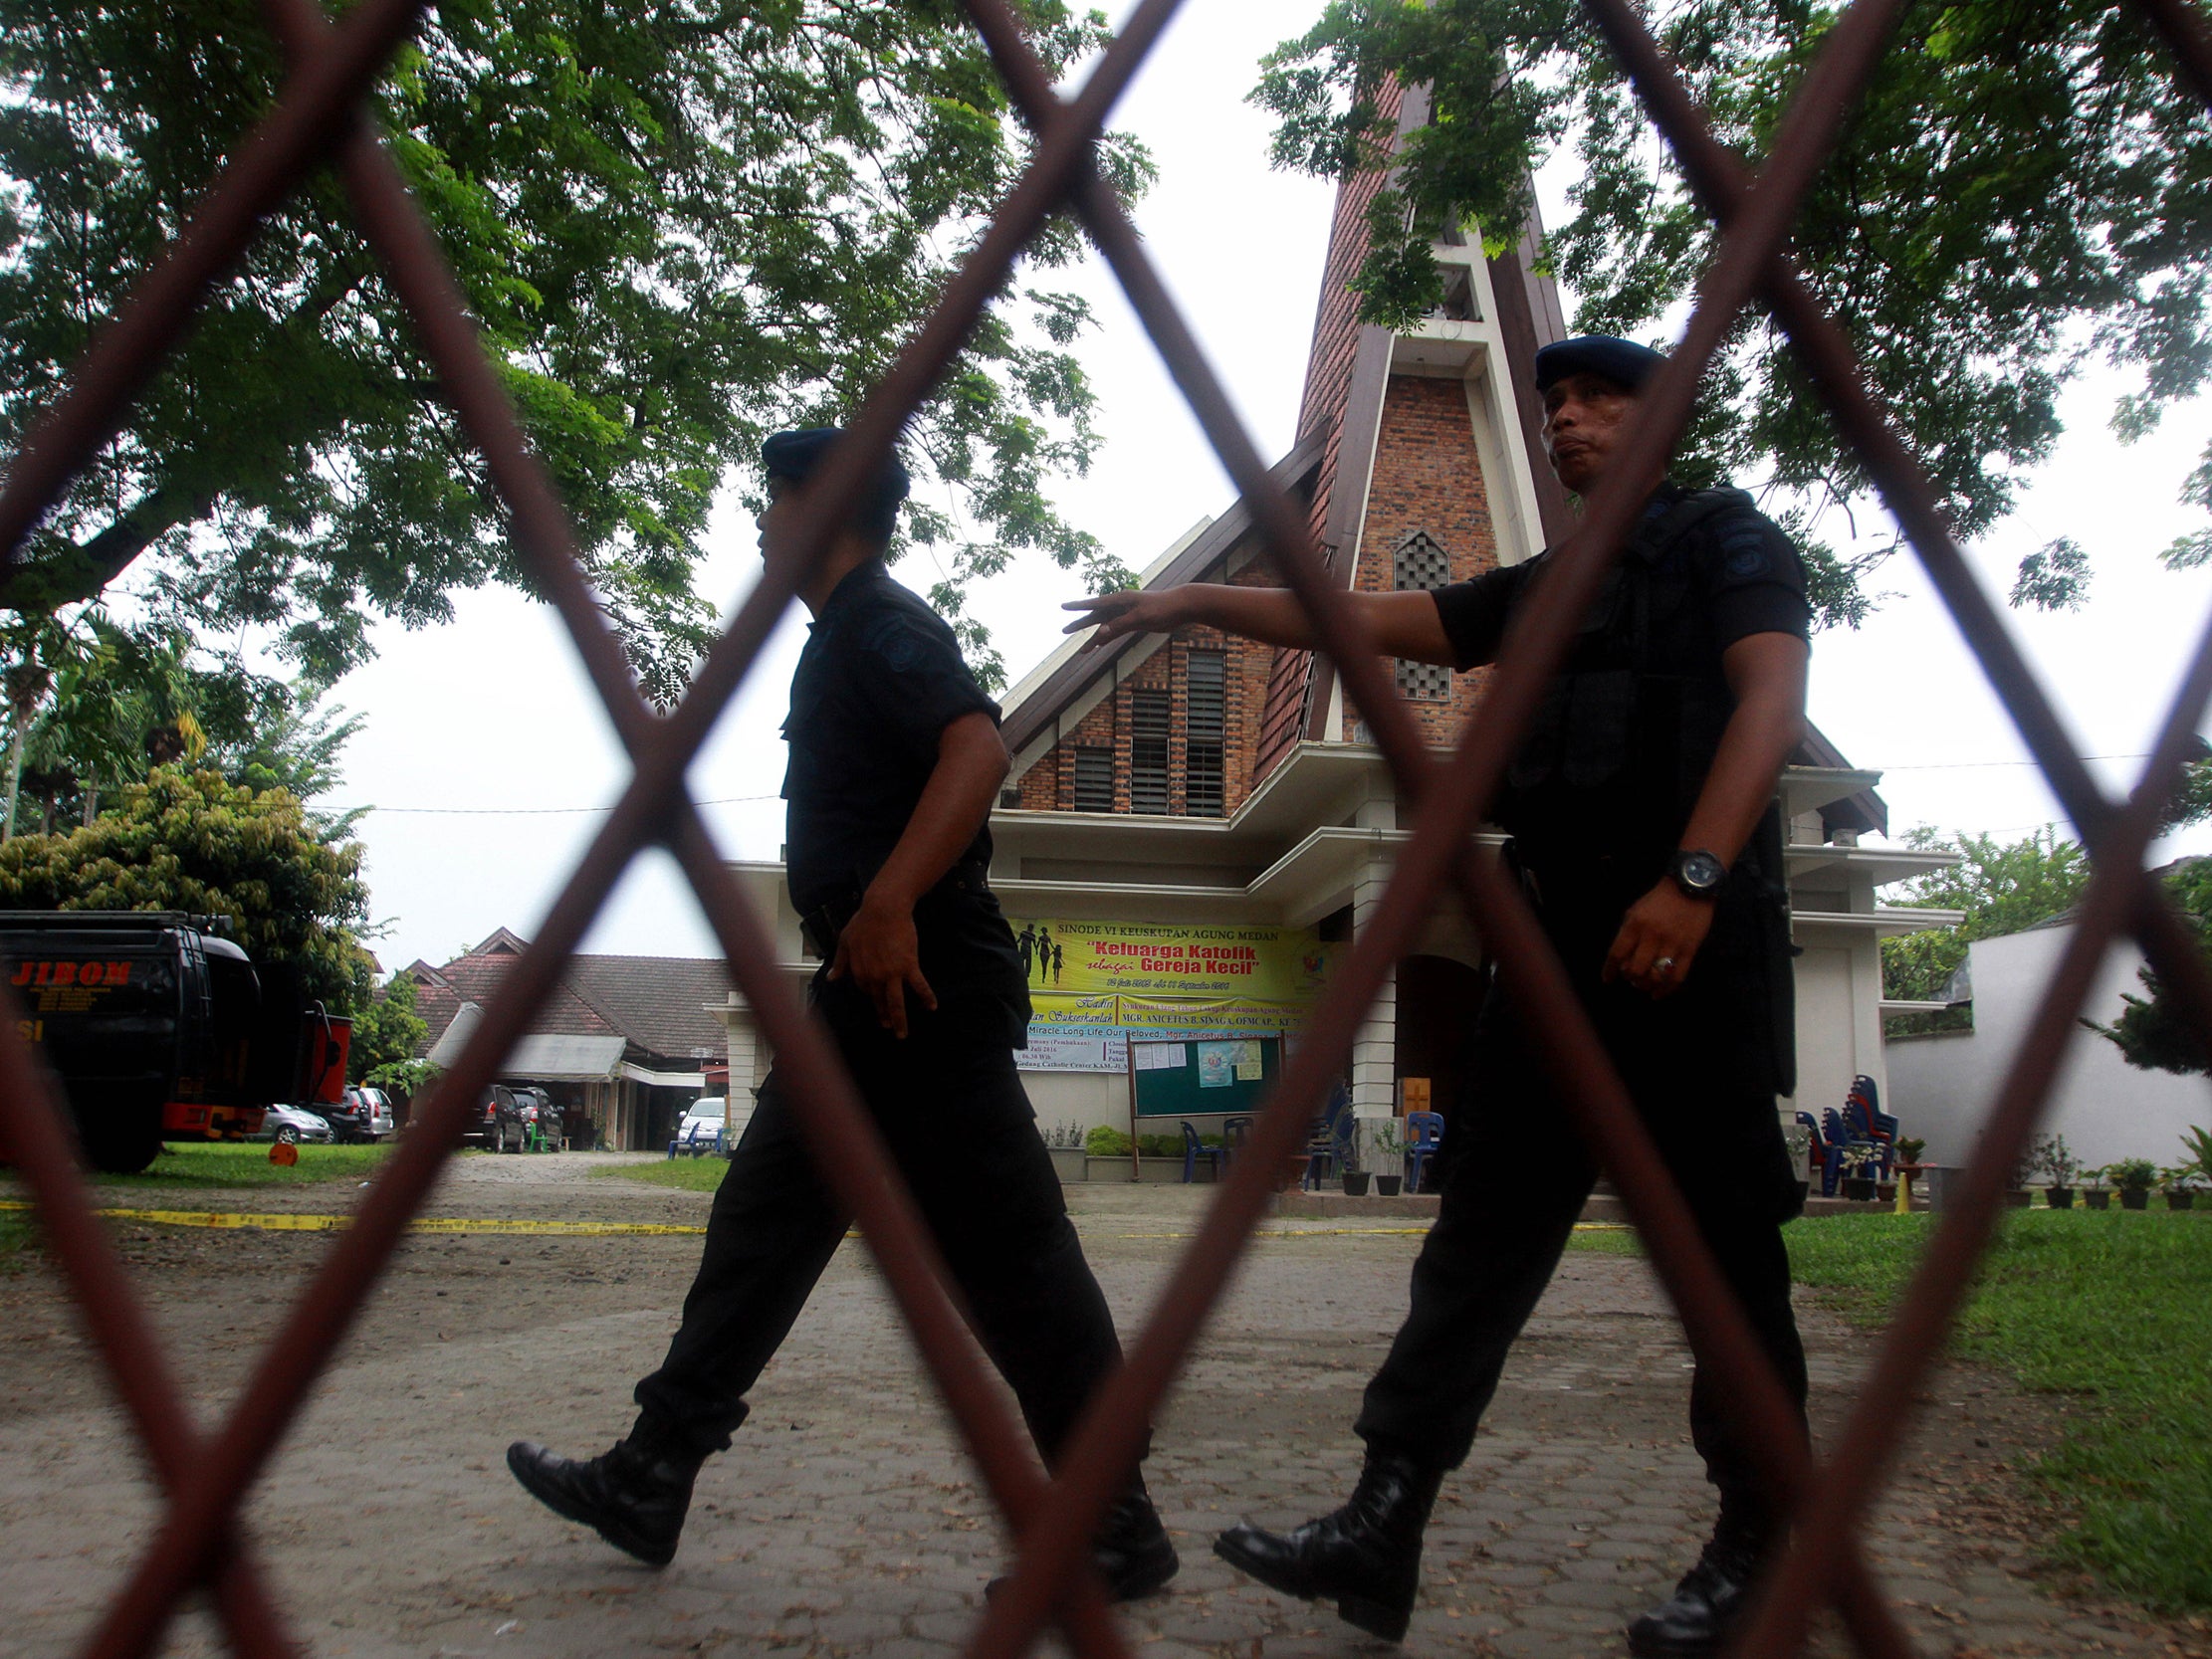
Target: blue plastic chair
[1828,1152]
[1426,1128]
[1192,1151]
[1235,1131]
[1843,1133]
[1329,1143]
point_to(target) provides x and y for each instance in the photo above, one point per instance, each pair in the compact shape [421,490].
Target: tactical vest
[1621,744]
[1617,755]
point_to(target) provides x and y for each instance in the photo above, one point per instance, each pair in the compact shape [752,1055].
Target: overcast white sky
[487,761]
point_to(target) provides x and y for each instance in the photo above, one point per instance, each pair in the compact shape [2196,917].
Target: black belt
[827,922]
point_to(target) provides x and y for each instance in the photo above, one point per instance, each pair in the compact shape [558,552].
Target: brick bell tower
[1431,469]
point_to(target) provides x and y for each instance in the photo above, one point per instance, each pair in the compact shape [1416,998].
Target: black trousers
[1517,1177]
[959,1128]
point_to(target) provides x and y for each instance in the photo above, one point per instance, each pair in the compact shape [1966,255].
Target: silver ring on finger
[1663,966]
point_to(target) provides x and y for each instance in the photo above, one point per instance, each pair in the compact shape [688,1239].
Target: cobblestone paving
[844,1520]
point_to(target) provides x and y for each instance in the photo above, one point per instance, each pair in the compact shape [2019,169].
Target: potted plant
[2192,1172]
[1354,1178]
[1389,1145]
[1908,1162]
[2097,1194]
[1799,1138]
[1070,1157]
[2132,1177]
[2054,1160]
[1858,1165]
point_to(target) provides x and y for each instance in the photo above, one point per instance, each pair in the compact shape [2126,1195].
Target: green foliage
[2197,1143]
[678,228]
[2002,886]
[1107,1142]
[2132,1174]
[387,1032]
[2053,1159]
[101,705]
[2151,1031]
[189,841]
[2023,187]
[2108,1313]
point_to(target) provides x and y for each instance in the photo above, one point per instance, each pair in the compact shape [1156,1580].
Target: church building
[1195,825]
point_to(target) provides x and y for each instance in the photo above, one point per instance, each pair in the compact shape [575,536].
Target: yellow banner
[1143,1015]
[1066,1008]
[1268,964]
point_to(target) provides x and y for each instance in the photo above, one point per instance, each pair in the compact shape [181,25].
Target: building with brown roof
[623,1044]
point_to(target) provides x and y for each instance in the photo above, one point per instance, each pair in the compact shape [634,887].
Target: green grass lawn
[2109,1310]
[692,1174]
[192,1166]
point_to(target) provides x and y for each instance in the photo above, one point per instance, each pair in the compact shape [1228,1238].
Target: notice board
[1187,1077]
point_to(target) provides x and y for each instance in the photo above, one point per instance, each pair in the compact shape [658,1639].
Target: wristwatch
[1699,874]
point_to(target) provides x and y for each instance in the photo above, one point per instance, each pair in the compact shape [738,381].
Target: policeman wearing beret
[1644,827]
[895,763]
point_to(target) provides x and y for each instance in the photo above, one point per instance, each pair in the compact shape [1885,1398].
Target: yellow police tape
[317,1222]
[320,1223]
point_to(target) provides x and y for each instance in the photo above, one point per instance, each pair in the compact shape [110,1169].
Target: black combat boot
[634,1495]
[1130,1549]
[1711,1598]
[1366,1556]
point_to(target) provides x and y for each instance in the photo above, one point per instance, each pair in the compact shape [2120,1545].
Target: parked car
[295,1124]
[542,1125]
[498,1123]
[362,1114]
[703,1126]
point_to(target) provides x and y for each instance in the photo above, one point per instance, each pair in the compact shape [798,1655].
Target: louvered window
[1420,564]
[1094,780]
[1205,729]
[1148,751]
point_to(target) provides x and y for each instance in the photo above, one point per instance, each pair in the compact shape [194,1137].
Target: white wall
[1090,1097]
[1827,1053]
[1837,974]
[2106,1109]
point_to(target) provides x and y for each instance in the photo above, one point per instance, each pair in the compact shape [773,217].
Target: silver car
[295,1124]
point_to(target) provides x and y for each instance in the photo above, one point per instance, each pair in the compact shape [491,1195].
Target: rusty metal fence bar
[332,68]
[1624,1146]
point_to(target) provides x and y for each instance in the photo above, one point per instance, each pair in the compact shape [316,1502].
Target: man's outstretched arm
[878,951]
[1404,624]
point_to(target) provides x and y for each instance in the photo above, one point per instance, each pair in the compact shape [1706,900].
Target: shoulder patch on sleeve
[1744,551]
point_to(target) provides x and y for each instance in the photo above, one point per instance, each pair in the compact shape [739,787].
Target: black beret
[1624,363]
[797,455]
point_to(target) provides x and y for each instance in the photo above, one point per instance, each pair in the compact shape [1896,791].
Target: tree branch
[82,571]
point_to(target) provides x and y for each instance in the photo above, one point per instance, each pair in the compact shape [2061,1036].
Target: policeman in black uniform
[895,763]
[1642,808]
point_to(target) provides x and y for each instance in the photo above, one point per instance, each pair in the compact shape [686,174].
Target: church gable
[1177,733]
[1428,523]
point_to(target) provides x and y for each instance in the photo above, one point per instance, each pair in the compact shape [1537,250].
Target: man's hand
[1127,611]
[878,951]
[1658,940]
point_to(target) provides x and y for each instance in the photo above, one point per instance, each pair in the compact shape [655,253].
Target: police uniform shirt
[879,681]
[1748,572]
[1617,751]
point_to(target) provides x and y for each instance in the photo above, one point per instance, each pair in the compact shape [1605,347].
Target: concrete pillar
[1375,1049]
